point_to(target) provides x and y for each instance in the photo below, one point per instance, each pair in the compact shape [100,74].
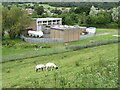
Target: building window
[54,20]
[39,22]
[44,21]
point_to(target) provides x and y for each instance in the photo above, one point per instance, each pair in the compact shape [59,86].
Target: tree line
[103,5]
[15,19]
[83,16]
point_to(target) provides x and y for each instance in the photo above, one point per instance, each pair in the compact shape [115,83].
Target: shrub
[112,25]
[8,43]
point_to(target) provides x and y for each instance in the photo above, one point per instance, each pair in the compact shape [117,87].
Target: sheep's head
[56,68]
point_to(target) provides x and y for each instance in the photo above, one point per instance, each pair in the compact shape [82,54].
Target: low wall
[41,40]
[82,37]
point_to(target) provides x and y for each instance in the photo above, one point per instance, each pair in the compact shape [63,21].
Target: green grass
[52,7]
[19,49]
[95,38]
[47,6]
[22,50]
[102,30]
[95,67]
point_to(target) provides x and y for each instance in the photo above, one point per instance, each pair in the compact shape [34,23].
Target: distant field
[95,67]
[46,6]
[100,30]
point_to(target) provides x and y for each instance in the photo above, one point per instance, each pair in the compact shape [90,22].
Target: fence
[76,47]
[41,40]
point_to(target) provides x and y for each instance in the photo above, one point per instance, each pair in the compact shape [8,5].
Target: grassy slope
[19,50]
[95,38]
[22,49]
[21,73]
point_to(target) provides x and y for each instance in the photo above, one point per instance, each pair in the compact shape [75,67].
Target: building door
[39,28]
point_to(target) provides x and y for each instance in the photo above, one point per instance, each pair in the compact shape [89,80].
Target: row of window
[49,21]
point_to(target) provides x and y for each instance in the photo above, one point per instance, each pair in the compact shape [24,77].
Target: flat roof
[63,27]
[47,19]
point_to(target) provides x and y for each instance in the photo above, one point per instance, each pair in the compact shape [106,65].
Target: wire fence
[76,47]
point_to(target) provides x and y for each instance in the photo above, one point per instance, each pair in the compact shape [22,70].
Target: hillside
[90,68]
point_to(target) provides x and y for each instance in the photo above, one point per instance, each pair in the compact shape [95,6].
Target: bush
[8,43]
[112,25]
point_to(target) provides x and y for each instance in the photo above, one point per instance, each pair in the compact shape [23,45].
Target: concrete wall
[41,40]
[71,35]
[56,33]
[68,35]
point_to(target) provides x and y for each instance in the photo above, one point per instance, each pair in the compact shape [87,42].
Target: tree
[72,10]
[56,11]
[100,20]
[35,15]
[68,21]
[82,9]
[39,9]
[93,11]
[115,14]
[4,20]
[15,21]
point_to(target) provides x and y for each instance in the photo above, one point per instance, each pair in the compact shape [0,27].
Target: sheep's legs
[46,69]
[36,70]
[51,69]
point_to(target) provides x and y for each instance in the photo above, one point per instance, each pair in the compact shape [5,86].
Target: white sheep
[51,65]
[40,66]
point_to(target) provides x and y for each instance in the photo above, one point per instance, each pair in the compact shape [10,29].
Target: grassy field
[90,68]
[45,6]
[95,38]
[19,49]
[102,30]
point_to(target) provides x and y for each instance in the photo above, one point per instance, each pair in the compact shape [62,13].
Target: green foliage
[104,5]
[4,20]
[99,20]
[115,14]
[39,9]
[56,11]
[82,9]
[8,43]
[15,21]
[83,14]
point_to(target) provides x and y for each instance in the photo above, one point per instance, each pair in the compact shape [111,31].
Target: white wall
[91,30]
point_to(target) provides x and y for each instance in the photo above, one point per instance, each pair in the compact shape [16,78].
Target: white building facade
[48,22]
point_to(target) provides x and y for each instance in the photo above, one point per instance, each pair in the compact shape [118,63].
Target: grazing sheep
[40,66]
[51,65]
